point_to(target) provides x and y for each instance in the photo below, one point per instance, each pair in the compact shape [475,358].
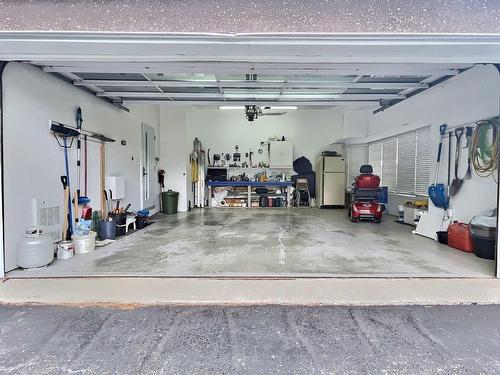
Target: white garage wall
[33,162]
[311,130]
[174,150]
[468,97]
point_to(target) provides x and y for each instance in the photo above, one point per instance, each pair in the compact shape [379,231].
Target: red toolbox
[459,236]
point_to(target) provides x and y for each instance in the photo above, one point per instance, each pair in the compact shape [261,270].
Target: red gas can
[459,236]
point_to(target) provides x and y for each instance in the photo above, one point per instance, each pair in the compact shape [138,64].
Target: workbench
[249,186]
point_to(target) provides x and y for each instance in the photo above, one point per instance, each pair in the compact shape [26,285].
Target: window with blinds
[402,162]
[357,155]
[423,160]
[406,163]
[375,158]
[389,163]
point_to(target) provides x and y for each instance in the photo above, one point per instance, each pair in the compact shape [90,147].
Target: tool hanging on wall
[450,134]
[86,209]
[484,147]
[217,160]
[66,232]
[75,202]
[468,135]
[236,154]
[64,133]
[161,179]
[80,199]
[437,192]
[58,128]
[457,182]
[102,179]
[86,157]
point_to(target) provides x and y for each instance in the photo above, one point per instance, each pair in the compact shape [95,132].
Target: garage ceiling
[262,69]
[298,84]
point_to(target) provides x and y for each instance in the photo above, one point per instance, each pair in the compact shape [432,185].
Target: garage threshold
[130,292]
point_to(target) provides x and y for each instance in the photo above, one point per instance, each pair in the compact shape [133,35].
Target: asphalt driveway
[250,340]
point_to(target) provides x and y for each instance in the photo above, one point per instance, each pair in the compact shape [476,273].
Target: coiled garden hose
[484,148]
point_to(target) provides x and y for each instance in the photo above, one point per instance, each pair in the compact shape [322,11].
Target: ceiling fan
[253,112]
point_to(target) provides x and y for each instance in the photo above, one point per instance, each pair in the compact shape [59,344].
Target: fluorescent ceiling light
[279,107]
[284,107]
[232,107]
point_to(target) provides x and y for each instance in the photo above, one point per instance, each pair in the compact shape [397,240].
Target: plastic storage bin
[483,229]
[459,237]
[383,195]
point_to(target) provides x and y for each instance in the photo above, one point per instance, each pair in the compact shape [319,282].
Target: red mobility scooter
[365,205]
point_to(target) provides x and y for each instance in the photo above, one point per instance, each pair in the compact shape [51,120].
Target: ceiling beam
[291,84]
[174,95]
[276,68]
[373,104]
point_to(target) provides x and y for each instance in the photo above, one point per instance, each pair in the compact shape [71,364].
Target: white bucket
[65,250]
[84,244]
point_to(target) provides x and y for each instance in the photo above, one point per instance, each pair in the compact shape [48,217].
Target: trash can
[169,200]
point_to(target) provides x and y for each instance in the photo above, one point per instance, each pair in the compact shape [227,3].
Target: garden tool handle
[64,180]
[458,133]
[442,129]
[442,132]
[468,135]
[439,151]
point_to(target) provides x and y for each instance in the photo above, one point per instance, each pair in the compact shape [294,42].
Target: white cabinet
[117,186]
[281,154]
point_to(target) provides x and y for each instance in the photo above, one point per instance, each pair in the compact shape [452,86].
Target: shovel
[66,231]
[457,183]
[437,192]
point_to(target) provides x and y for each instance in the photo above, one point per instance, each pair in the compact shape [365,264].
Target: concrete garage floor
[270,242]
[251,340]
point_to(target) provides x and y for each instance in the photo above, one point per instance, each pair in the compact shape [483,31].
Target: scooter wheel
[377,221]
[354,220]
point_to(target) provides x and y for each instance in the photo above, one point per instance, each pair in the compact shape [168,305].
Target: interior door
[148,165]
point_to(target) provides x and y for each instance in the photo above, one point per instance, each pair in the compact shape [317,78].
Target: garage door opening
[264,157]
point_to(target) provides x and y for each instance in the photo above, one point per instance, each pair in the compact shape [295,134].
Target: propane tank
[35,249]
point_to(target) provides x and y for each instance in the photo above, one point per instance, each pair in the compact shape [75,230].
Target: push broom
[65,133]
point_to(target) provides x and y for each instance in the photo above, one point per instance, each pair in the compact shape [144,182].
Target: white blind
[357,155]
[389,163]
[423,160]
[375,158]
[406,163]
[402,162]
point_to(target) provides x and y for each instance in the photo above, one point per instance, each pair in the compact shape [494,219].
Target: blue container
[383,195]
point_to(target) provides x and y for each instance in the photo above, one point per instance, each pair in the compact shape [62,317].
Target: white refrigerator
[330,181]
